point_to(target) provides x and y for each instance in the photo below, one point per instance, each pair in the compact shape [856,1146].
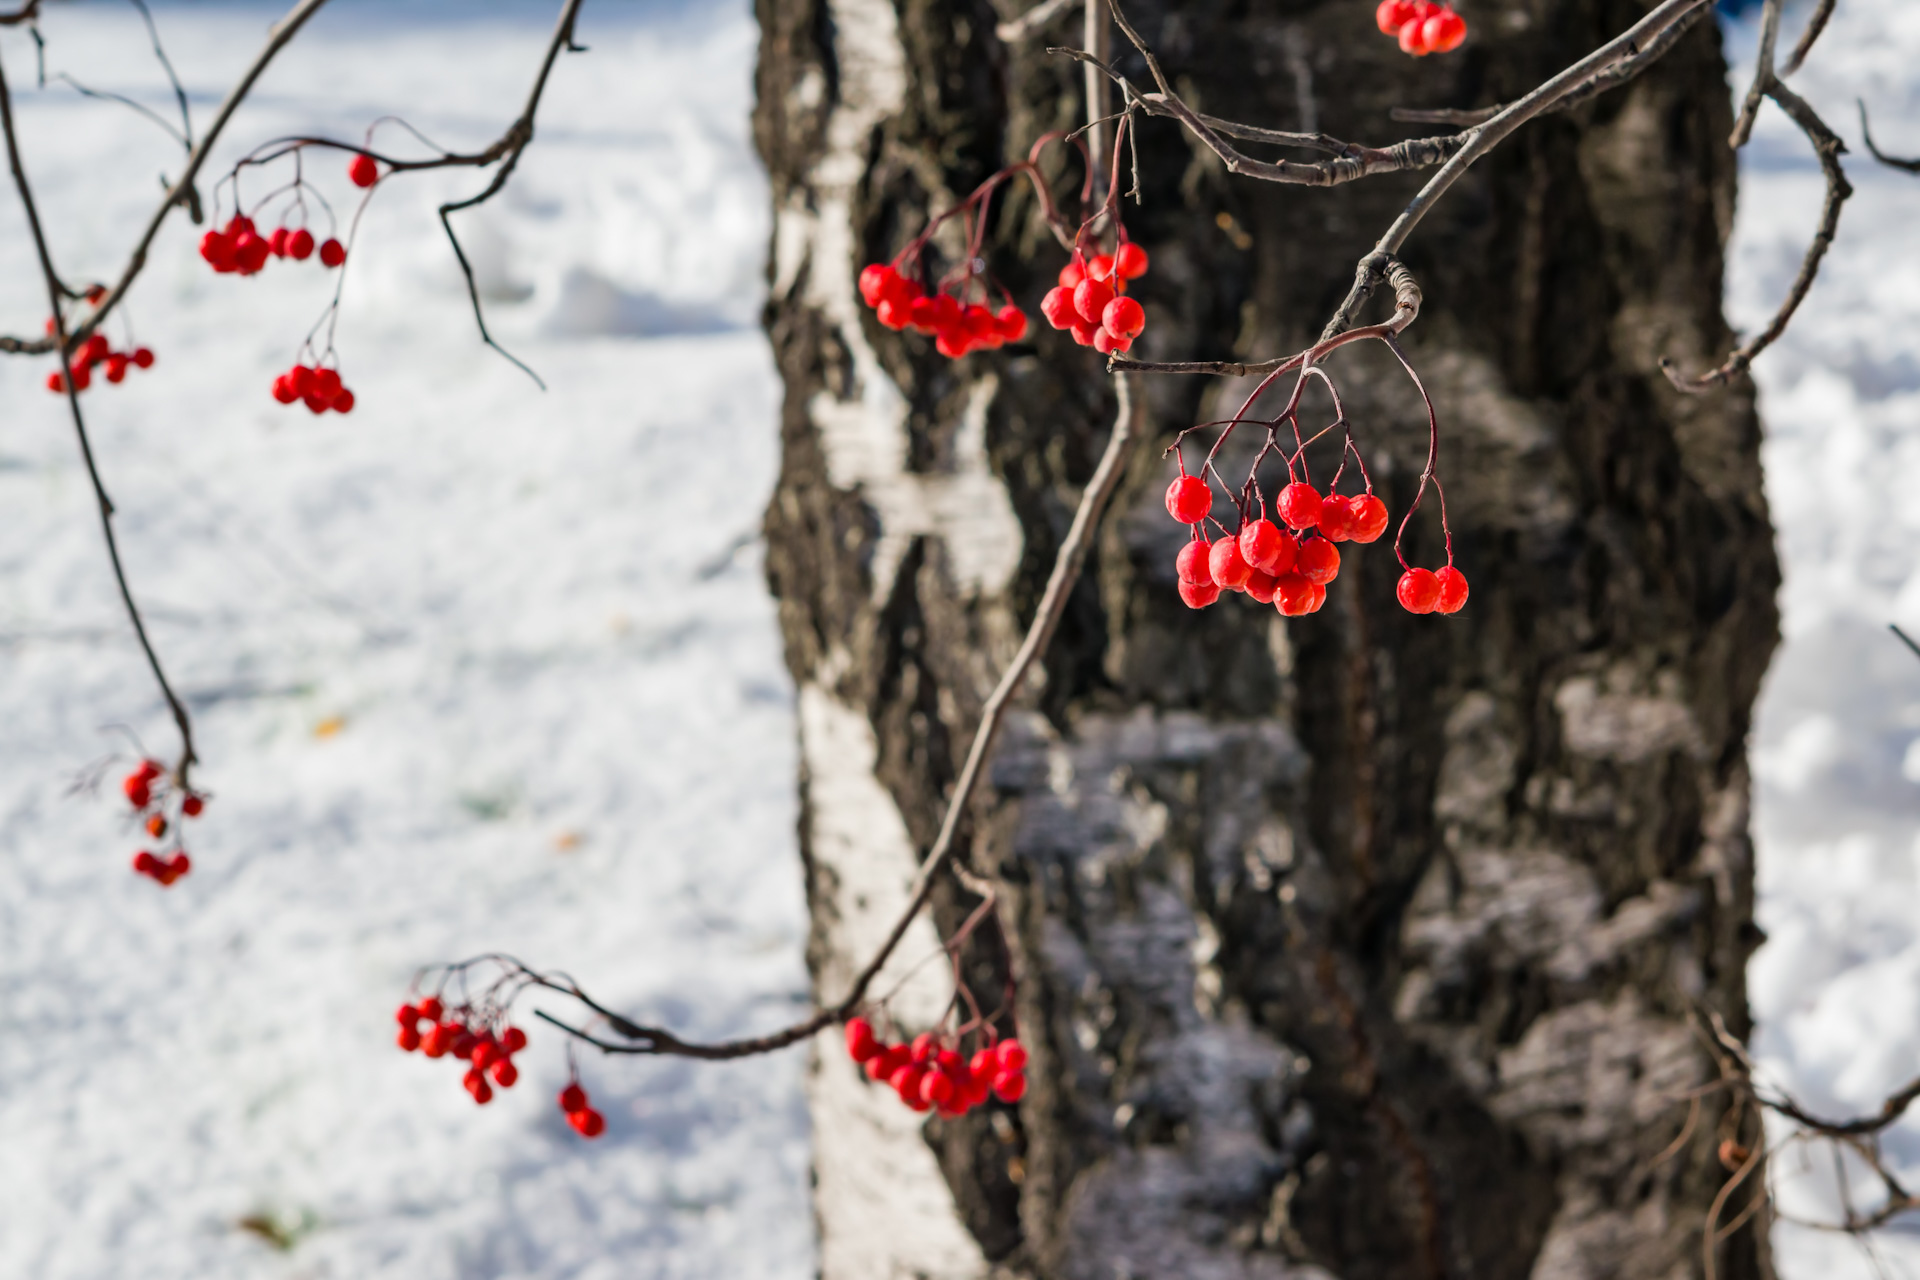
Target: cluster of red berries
[320,388]
[96,350]
[240,249]
[586,1122]
[1422,26]
[932,1075]
[1288,568]
[449,1033]
[148,791]
[1091,300]
[900,302]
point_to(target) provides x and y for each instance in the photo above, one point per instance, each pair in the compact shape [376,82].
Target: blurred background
[484,667]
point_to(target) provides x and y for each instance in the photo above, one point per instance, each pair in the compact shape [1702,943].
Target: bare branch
[1033,20]
[1762,75]
[1827,146]
[24,14]
[1815,25]
[1893,162]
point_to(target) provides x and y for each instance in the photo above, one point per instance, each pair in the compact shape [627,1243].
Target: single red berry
[217,250]
[1090,299]
[1263,546]
[504,1072]
[1336,517]
[156,826]
[1193,564]
[250,253]
[464,1043]
[1413,38]
[300,245]
[1057,307]
[145,863]
[277,242]
[1100,266]
[1124,318]
[1260,585]
[138,788]
[56,382]
[874,280]
[893,314]
[573,1099]
[906,1080]
[882,1065]
[363,171]
[178,865]
[483,1055]
[936,1087]
[431,1008]
[1318,561]
[1010,1086]
[1419,591]
[1198,595]
[1392,15]
[861,1044]
[983,1063]
[143,357]
[192,805]
[1453,590]
[408,1039]
[1319,598]
[477,1086]
[1189,499]
[283,390]
[82,379]
[332,252]
[1292,594]
[924,1047]
[95,349]
[300,378]
[116,368]
[977,1089]
[920,316]
[513,1040]
[1299,505]
[1130,260]
[588,1123]
[1444,31]
[343,403]
[1012,1055]
[1083,333]
[407,1015]
[438,1039]
[948,1060]
[239,225]
[326,383]
[1106,343]
[1073,273]
[1012,323]
[1226,566]
[1369,518]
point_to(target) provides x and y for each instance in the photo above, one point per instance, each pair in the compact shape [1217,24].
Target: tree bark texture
[1361,945]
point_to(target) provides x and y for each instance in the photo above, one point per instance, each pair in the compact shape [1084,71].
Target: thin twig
[1763,76]
[166,65]
[1815,25]
[1905,638]
[1894,162]
[55,298]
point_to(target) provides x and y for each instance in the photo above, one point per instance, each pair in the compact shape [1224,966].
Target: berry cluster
[1422,26]
[468,1038]
[152,794]
[956,326]
[320,388]
[240,249]
[931,1074]
[1288,567]
[1091,302]
[586,1122]
[96,350]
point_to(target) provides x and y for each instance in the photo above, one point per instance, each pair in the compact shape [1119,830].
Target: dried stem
[1892,162]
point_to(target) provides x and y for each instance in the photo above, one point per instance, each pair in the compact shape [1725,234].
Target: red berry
[95,349]
[1265,548]
[1130,260]
[250,253]
[156,826]
[1453,590]
[513,1040]
[326,383]
[363,171]
[504,1073]
[300,245]
[277,242]
[1392,15]
[217,250]
[145,863]
[283,390]
[1073,273]
[1369,518]
[1419,591]
[1413,38]
[116,368]
[861,1044]
[477,1086]
[178,865]
[1012,1055]
[1198,595]
[1336,518]
[81,377]
[1057,307]
[588,1123]
[1100,267]
[1193,563]
[573,1099]
[924,1047]
[138,789]
[1299,506]
[1292,595]
[408,1039]
[1319,598]
[1011,322]
[143,357]
[1226,566]
[1189,499]
[431,1008]
[1083,333]
[882,1065]
[906,1080]
[893,314]
[936,1087]
[1318,561]
[437,1041]
[1260,585]
[983,1063]
[1010,1086]
[300,378]
[56,382]
[332,252]
[1124,318]
[343,403]
[874,280]
[1090,299]
[407,1016]
[485,1054]
[1444,31]
[1106,344]
[464,1042]
[191,806]
[976,1089]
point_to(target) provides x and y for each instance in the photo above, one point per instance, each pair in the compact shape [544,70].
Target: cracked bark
[1360,945]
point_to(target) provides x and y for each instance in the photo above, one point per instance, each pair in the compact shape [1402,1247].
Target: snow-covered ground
[1837,742]
[484,667]
[473,667]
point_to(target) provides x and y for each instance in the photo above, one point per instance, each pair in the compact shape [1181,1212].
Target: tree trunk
[1362,944]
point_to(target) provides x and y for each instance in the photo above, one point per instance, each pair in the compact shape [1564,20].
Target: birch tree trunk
[1364,944]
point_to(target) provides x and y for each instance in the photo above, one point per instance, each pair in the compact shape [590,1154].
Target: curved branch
[1892,162]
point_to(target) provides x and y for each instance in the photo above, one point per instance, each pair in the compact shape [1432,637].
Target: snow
[563,727]
[537,621]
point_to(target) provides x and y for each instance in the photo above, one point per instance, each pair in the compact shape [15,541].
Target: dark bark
[1363,941]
